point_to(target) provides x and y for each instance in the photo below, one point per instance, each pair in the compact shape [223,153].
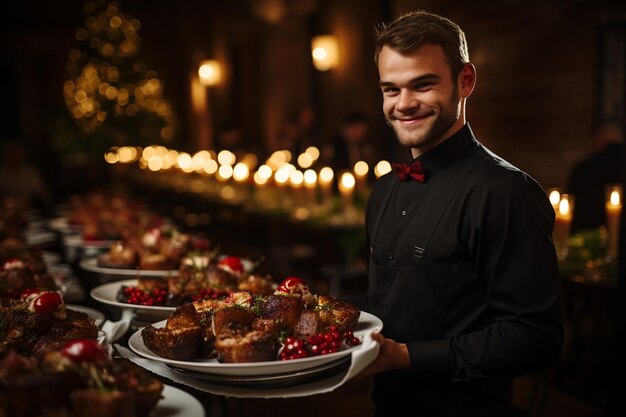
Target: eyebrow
[415,80]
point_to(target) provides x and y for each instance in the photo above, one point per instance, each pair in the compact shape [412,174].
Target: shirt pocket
[410,299]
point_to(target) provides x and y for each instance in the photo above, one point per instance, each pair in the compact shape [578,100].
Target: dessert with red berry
[17,275]
[247,328]
[119,255]
[39,322]
[77,379]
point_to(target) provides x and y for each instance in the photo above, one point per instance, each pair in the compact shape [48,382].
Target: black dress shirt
[463,270]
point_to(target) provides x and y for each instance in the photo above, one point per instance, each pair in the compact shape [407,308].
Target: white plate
[177,403]
[50,258]
[96,315]
[367,324]
[39,238]
[107,294]
[91,264]
[266,382]
[77,241]
[60,224]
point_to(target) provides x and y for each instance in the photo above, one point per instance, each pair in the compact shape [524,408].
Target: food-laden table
[589,284]
[69,250]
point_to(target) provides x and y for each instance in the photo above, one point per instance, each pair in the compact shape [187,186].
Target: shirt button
[404,212]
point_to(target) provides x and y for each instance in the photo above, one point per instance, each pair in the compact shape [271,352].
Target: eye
[423,86]
[390,91]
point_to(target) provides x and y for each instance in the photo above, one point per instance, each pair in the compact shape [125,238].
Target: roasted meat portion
[243,328]
[145,388]
[246,345]
[120,255]
[257,284]
[27,390]
[308,325]
[76,325]
[285,310]
[32,333]
[180,338]
[17,280]
[92,402]
[232,317]
[57,386]
[332,311]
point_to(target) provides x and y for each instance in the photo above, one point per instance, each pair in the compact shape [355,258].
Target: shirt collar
[446,151]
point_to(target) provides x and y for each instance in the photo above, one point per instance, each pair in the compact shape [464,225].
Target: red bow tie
[406,172]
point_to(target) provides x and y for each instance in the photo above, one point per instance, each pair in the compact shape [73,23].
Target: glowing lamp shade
[325,52]
[210,72]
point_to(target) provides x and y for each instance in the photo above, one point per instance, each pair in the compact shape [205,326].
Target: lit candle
[346,188]
[281,178]
[555,197]
[326,183]
[381,168]
[562,224]
[310,182]
[296,179]
[360,173]
[613,214]
[260,195]
[241,174]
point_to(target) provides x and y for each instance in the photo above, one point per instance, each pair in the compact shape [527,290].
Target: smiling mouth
[412,120]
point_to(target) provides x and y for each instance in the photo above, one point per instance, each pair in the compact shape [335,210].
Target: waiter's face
[420,101]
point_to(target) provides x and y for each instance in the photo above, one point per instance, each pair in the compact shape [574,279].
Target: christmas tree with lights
[112,97]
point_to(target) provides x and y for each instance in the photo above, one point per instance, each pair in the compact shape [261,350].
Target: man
[463,270]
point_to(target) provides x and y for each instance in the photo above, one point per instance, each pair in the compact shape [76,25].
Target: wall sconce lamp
[325,52]
[210,72]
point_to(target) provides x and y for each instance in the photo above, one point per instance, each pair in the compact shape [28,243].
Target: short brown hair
[412,30]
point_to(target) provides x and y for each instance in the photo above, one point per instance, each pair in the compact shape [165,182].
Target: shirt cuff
[432,358]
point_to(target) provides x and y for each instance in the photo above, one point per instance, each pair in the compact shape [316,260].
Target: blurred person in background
[303,123]
[589,176]
[352,143]
[463,271]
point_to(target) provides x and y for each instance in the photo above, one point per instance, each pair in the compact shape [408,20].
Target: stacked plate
[115,274]
[77,248]
[260,375]
[107,294]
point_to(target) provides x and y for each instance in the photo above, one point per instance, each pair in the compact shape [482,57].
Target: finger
[379,338]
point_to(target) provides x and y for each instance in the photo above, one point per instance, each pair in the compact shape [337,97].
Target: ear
[466,81]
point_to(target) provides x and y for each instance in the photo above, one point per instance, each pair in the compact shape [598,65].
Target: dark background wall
[540,67]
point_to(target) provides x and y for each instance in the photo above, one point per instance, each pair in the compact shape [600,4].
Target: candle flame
[564,207]
[310,177]
[555,197]
[326,175]
[361,168]
[347,181]
[241,172]
[615,198]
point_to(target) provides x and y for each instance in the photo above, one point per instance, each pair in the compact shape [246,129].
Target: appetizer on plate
[291,323]
[39,322]
[156,248]
[199,277]
[78,379]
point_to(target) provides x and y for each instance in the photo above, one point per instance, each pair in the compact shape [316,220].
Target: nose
[406,101]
